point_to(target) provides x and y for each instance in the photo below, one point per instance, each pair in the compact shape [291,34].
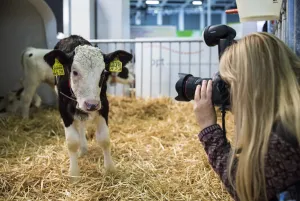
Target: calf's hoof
[24,113]
[74,179]
[25,117]
[74,175]
[110,168]
[74,172]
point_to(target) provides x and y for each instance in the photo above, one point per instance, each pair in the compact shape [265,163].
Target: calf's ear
[59,55]
[121,55]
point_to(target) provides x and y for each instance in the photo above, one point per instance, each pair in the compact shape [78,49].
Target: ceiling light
[152,2]
[199,3]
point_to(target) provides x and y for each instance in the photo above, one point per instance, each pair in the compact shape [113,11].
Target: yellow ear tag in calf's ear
[58,68]
[115,66]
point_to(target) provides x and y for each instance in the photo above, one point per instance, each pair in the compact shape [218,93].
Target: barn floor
[154,144]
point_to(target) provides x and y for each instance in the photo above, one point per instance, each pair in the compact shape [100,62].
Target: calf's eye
[75,73]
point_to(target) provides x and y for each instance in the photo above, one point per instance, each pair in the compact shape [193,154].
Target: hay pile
[154,144]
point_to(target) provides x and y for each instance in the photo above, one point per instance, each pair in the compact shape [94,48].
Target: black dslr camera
[221,35]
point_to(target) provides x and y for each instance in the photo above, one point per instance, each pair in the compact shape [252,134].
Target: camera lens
[180,87]
[186,86]
[190,86]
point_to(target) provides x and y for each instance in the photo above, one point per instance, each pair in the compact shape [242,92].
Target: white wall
[82,18]
[126,18]
[21,26]
[113,19]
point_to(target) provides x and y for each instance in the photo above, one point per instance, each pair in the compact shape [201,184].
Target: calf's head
[85,69]
[10,102]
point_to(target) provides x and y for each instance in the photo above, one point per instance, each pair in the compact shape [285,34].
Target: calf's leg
[27,95]
[72,139]
[83,142]
[37,101]
[103,138]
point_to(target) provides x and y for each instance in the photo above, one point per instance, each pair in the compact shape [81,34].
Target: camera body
[223,36]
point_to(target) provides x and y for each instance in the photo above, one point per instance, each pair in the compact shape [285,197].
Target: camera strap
[223,111]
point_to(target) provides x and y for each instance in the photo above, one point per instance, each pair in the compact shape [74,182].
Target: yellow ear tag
[58,68]
[115,66]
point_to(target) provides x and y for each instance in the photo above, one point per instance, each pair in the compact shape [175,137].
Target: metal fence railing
[157,62]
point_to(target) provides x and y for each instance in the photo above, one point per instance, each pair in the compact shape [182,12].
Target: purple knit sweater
[282,167]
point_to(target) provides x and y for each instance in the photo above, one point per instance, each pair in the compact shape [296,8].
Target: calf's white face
[88,65]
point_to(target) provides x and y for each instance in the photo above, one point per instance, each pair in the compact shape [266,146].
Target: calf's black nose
[91,105]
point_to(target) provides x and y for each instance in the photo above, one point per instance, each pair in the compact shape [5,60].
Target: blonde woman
[263,76]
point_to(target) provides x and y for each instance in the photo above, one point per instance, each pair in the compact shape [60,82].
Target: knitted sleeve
[217,149]
[282,161]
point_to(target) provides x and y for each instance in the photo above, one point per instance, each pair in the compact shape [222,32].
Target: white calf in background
[36,71]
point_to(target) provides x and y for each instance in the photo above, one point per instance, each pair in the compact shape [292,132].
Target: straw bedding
[154,144]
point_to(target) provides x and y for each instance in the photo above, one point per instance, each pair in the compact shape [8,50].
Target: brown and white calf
[81,89]
[125,77]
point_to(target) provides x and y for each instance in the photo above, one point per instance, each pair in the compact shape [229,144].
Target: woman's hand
[203,107]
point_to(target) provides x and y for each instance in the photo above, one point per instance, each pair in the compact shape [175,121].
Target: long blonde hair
[263,76]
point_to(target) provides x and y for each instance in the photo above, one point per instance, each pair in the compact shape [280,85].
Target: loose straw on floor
[154,144]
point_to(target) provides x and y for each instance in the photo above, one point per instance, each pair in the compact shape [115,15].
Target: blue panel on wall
[215,19]
[290,31]
[170,20]
[297,27]
[233,18]
[149,20]
[191,22]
